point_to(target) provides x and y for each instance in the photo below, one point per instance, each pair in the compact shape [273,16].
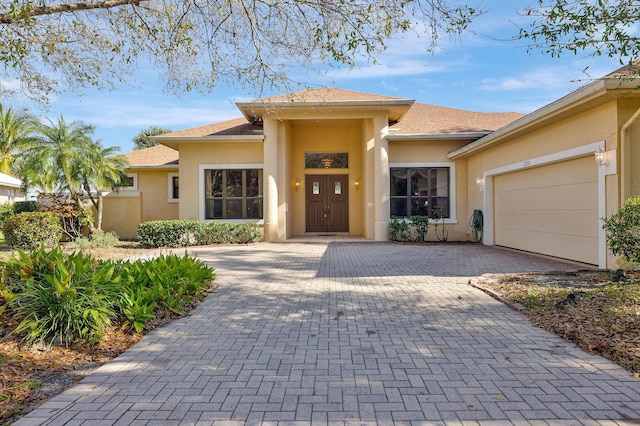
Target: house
[10,189]
[337,161]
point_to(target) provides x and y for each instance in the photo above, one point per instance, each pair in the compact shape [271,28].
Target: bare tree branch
[10,18]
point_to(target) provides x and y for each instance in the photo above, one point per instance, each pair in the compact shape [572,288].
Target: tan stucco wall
[121,214]
[628,107]
[328,136]
[4,195]
[154,187]
[435,151]
[152,203]
[192,155]
[572,130]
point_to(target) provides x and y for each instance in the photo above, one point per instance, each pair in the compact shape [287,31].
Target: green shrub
[5,211]
[183,233]
[170,281]
[623,231]
[25,206]
[98,239]
[169,233]
[32,229]
[60,297]
[412,228]
[73,297]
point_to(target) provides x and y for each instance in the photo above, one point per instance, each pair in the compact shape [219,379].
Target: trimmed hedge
[183,233]
[25,206]
[32,229]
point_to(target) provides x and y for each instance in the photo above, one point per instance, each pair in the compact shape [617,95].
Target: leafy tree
[50,46]
[58,156]
[16,132]
[141,140]
[597,27]
[105,173]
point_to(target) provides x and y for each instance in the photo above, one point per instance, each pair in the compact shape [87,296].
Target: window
[233,194]
[420,191]
[132,182]
[315,160]
[174,187]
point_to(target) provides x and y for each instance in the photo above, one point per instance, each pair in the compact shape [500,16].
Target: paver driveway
[352,333]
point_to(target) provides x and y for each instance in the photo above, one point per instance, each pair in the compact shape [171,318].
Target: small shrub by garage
[183,233]
[32,229]
[623,231]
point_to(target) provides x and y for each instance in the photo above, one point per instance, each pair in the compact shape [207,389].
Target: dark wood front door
[327,203]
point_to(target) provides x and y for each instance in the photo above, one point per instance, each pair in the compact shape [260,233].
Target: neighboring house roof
[6,180]
[158,156]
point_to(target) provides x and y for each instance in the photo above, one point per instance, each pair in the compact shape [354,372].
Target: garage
[551,209]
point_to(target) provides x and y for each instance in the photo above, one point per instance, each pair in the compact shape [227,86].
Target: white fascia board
[435,136]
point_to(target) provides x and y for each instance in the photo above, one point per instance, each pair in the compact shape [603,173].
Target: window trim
[170,197]
[133,187]
[453,215]
[202,168]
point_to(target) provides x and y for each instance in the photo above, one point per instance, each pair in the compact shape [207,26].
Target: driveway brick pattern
[352,333]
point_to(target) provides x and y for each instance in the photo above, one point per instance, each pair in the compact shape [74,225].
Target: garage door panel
[574,171]
[574,247]
[563,222]
[550,209]
[565,197]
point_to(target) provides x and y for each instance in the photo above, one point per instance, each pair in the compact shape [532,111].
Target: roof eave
[397,108]
[438,136]
[591,91]
[174,141]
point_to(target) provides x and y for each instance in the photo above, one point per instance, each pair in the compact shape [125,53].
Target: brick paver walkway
[352,333]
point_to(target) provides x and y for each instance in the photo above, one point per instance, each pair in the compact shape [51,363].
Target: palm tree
[56,157]
[106,172]
[16,133]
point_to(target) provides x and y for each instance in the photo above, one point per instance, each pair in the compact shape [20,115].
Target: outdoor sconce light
[297,185]
[357,184]
[480,183]
[601,158]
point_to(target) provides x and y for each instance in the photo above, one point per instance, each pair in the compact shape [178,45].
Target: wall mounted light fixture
[601,158]
[297,185]
[480,183]
[357,184]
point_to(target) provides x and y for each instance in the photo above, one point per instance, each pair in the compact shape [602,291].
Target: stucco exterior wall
[575,129]
[435,151]
[126,209]
[326,136]
[5,197]
[192,155]
[122,214]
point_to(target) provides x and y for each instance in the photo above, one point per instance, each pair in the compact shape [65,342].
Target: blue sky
[484,70]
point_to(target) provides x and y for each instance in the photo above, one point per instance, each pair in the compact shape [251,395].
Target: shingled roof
[155,156]
[326,94]
[430,119]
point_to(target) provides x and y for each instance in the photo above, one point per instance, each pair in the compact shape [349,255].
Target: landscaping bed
[588,308]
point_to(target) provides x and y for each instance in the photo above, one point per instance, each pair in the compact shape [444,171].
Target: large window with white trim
[420,191]
[233,193]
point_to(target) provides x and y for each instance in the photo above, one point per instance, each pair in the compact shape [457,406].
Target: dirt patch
[597,310]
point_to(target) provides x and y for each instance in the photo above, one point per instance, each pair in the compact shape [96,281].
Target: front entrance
[327,203]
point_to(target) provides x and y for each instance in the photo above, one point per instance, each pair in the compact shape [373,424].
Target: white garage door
[550,209]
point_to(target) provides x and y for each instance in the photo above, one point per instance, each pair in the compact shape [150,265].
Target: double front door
[327,202]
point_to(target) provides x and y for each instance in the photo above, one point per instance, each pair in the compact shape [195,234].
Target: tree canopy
[142,139]
[600,27]
[53,45]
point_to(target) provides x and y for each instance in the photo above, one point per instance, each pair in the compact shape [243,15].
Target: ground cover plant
[62,311]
